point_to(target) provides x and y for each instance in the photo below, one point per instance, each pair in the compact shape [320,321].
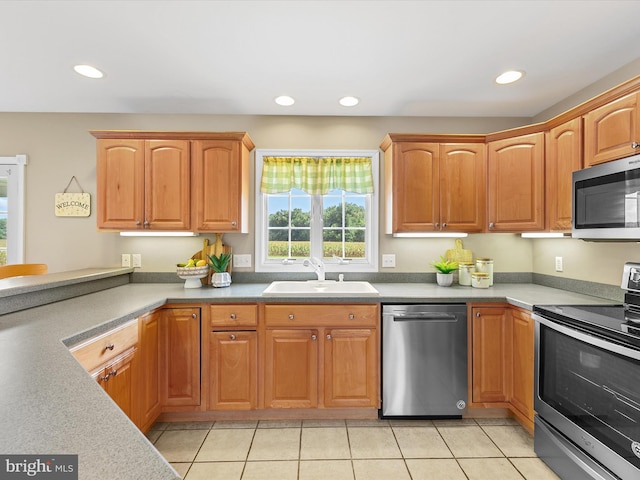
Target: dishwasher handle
[425,316]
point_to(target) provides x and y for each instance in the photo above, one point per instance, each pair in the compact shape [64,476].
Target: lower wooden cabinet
[148,370]
[328,357]
[233,370]
[491,340]
[523,360]
[179,357]
[291,369]
[117,379]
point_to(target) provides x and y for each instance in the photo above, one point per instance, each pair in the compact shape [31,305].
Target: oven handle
[589,339]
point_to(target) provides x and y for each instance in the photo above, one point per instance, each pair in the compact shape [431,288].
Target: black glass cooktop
[608,321]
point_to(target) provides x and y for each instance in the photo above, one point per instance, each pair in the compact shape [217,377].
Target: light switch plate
[388,260]
[242,261]
[126,260]
[558,264]
[137,260]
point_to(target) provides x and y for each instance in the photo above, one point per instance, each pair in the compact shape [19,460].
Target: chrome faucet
[317,266]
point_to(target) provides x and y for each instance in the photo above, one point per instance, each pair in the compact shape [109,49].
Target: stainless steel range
[587,390]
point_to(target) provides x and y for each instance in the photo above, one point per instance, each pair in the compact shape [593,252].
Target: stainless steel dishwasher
[424,360]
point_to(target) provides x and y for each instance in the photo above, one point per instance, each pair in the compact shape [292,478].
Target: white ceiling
[404,58]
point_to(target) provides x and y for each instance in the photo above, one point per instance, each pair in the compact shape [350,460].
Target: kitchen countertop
[50,405]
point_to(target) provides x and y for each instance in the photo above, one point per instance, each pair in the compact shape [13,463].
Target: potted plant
[219,264]
[445,269]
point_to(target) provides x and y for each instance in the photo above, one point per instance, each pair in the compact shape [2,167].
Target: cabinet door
[147,386]
[119,382]
[167,184]
[180,357]
[516,184]
[611,130]
[414,195]
[523,352]
[463,187]
[291,369]
[564,156]
[491,344]
[120,184]
[220,186]
[350,368]
[233,370]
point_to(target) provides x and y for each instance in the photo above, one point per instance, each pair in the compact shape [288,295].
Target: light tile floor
[482,449]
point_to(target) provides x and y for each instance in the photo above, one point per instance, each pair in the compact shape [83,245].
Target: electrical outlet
[137,260]
[388,260]
[242,261]
[558,264]
[126,260]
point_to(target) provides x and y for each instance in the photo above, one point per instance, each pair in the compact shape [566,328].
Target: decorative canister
[464,273]
[485,265]
[480,280]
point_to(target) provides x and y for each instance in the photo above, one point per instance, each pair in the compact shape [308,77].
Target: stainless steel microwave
[606,201]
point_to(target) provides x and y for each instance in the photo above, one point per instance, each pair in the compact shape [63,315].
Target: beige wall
[59,146]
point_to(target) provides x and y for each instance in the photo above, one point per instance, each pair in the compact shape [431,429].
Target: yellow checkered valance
[316,175]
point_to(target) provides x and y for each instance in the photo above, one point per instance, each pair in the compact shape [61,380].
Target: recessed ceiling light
[349,101]
[284,100]
[509,77]
[88,71]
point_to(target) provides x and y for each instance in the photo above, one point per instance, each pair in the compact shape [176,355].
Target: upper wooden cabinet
[173,181]
[516,184]
[612,131]
[433,186]
[564,156]
[143,184]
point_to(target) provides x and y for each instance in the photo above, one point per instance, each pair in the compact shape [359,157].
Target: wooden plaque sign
[73,204]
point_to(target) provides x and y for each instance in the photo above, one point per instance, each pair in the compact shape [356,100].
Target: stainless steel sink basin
[317,288]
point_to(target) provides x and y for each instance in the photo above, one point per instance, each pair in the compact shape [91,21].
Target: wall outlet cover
[137,260]
[388,260]
[242,261]
[126,260]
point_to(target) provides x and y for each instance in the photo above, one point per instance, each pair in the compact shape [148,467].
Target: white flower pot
[444,279]
[222,279]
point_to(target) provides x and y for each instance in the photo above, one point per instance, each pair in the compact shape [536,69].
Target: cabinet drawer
[321,315]
[234,316]
[101,349]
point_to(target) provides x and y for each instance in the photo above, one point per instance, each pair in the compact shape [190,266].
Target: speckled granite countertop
[50,405]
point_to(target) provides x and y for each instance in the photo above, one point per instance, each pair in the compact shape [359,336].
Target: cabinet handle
[290,316]
[477,314]
[491,224]
[138,223]
[635,145]
[437,225]
[105,378]
[146,224]
[233,224]
[114,372]
[193,315]
[328,337]
[232,337]
[233,316]
[109,347]
[444,225]
[314,337]
[352,316]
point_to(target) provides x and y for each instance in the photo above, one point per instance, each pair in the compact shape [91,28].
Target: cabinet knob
[233,316]
[113,372]
[146,224]
[138,223]
[291,316]
[437,225]
[109,347]
[233,224]
[232,337]
[491,224]
[635,145]
[352,316]
[193,315]
[477,314]
[444,225]
[105,378]
[328,337]
[314,337]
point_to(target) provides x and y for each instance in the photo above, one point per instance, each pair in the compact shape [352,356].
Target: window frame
[15,166]
[331,265]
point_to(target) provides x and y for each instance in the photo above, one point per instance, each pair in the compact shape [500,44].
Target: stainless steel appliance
[424,360]
[587,386]
[606,201]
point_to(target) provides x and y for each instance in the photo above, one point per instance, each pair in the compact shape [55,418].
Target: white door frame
[14,169]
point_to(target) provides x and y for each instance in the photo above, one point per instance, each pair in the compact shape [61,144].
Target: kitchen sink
[319,288]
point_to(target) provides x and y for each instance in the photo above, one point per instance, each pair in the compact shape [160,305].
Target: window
[336,225]
[12,209]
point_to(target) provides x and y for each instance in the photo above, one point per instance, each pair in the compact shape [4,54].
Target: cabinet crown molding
[169,135]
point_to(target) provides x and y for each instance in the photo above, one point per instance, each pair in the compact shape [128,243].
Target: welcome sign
[73,204]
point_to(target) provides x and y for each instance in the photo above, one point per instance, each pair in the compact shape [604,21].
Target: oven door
[588,389]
